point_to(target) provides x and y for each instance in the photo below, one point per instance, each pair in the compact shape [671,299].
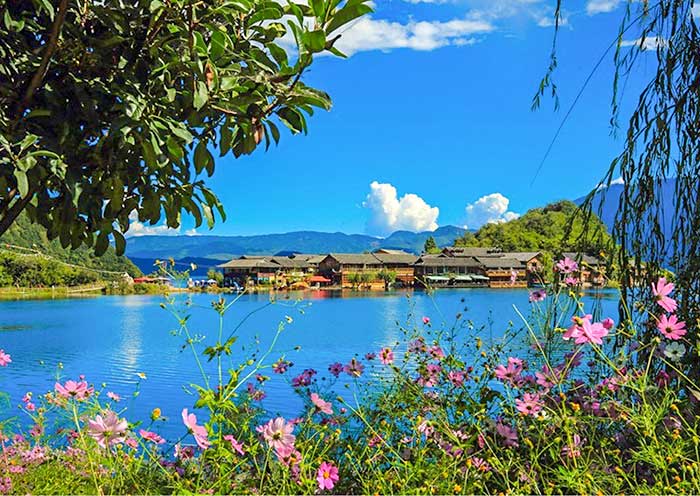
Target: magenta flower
[513,277]
[608,323]
[327,476]
[671,327]
[509,435]
[281,366]
[530,404]
[577,326]
[538,295]
[456,377]
[107,430]
[278,435]
[571,281]
[321,405]
[566,266]
[591,333]
[436,352]
[386,356]
[151,436]
[426,320]
[354,368]
[73,389]
[4,358]
[510,373]
[237,446]
[661,291]
[113,396]
[573,450]
[198,431]
[335,368]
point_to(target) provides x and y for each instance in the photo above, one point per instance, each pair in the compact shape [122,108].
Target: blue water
[110,339]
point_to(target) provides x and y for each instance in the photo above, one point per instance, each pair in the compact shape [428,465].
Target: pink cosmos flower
[538,295]
[183,453]
[151,436]
[573,450]
[456,377]
[4,358]
[671,327]
[591,333]
[513,277]
[278,434]
[509,373]
[327,476]
[576,327]
[354,368]
[571,281]
[238,446]
[661,291]
[509,435]
[113,396]
[480,464]
[608,323]
[386,356]
[335,368]
[436,352]
[426,320]
[566,266]
[107,430]
[321,405]
[530,404]
[198,431]
[73,389]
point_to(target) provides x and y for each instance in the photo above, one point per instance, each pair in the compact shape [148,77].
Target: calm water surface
[111,339]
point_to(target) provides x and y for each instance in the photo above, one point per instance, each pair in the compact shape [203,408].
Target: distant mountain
[209,250]
[609,199]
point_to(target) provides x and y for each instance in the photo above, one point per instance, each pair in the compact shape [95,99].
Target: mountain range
[208,251]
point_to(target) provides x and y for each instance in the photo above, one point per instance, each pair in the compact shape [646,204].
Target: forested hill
[542,229]
[28,235]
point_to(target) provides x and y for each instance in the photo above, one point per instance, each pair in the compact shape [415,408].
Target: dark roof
[291,263]
[460,251]
[355,258]
[249,263]
[396,258]
[523,256]
[388,251]
[432,261]
[500,263]
[582,257]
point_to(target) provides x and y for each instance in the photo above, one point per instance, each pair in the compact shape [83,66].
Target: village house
[352,270]
[592,270]
[442,270]
[504,272]
[399,263]
[249,270]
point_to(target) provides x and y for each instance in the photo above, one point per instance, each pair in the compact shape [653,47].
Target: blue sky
[433,106]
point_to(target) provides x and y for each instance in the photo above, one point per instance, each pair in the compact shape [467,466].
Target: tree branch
[14,211]
[49,50]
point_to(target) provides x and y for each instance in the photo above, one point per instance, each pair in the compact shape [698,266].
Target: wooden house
[400,263]
[592,270]
[505,272]
[442,270]
[352,270]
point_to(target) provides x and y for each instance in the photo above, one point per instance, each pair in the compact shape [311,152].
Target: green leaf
[101,244]
[217,45]
[203,159]
[351,11]
[119,242]
[208,214]
[315,41]
[22,182]
[292,119]
[201,95]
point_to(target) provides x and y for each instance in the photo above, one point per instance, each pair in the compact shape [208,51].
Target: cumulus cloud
[389,213]
[379,34]
[601,6]
[138,228]
[489,209]
[650,43]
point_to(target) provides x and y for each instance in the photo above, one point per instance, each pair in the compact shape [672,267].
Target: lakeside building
[453,267]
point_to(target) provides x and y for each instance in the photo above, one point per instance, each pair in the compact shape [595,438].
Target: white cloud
[602,6]
[389,213]
[489,209]
[696,11]
[379,34]
[649,43]
[138,228]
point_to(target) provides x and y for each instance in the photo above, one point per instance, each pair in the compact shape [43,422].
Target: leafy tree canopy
[431,246]
[554,229]
[112,107]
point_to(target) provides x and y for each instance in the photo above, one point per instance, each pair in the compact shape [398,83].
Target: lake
[112,338]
